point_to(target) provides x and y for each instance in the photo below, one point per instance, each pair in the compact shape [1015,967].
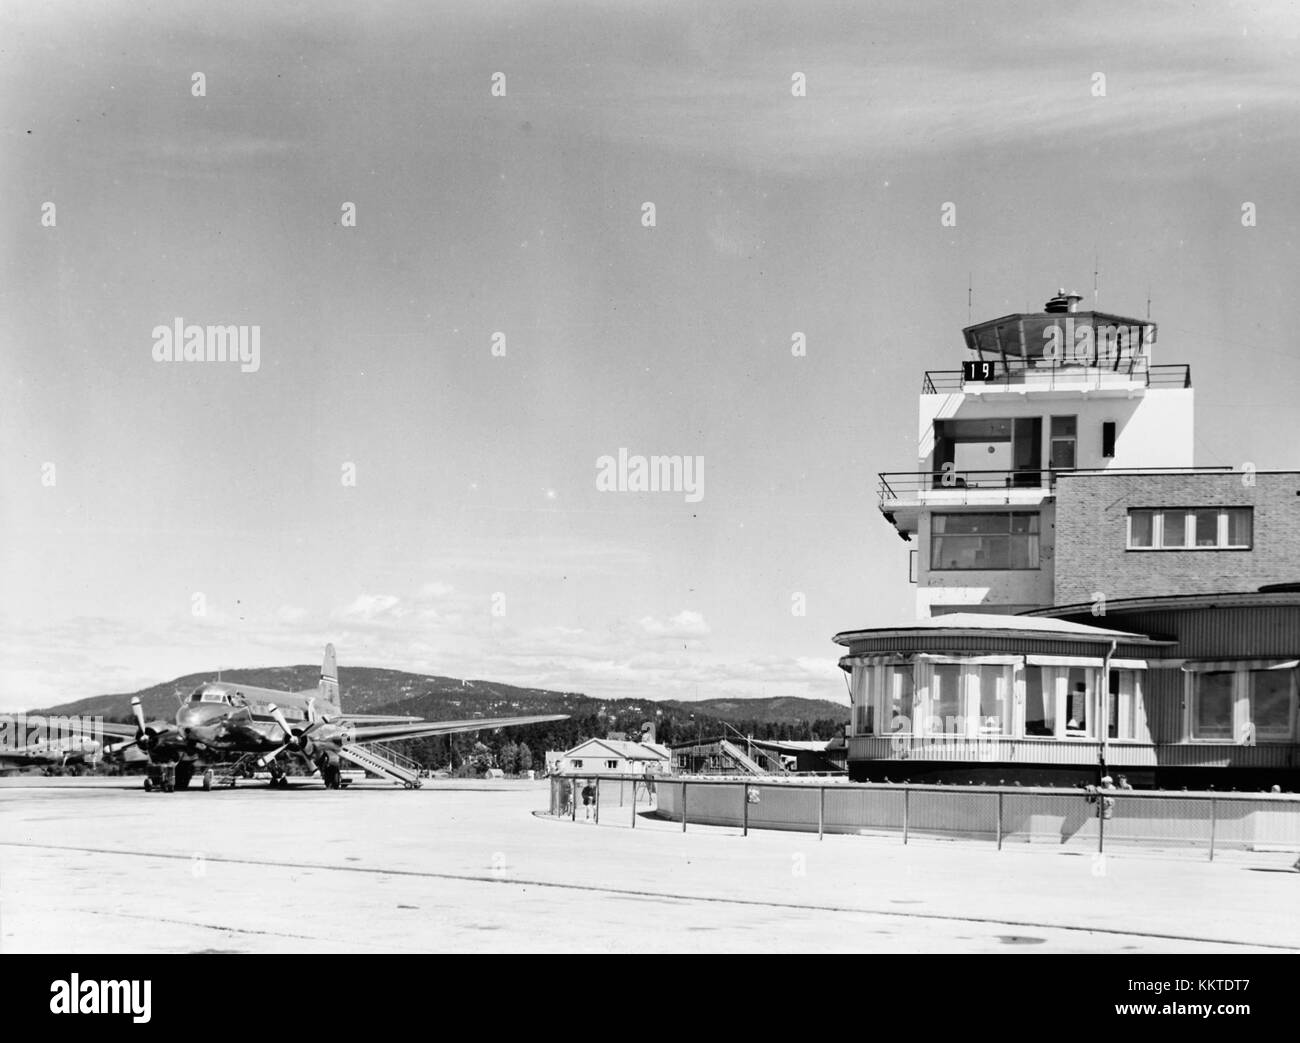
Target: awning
[890,658]
[1220,665]
[972,660]
[1093,662]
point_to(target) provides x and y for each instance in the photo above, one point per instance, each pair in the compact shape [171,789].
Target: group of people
[588,794]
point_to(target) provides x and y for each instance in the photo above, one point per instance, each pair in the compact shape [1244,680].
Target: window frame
[1071,439]
[936,540]
[1189,518]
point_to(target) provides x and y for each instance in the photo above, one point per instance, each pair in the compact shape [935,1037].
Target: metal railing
[591,793]
[1033,374]
[1261,824]
[962,483]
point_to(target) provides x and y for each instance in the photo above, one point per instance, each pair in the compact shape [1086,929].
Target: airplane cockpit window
[214,695]
[238,699]
[197,695]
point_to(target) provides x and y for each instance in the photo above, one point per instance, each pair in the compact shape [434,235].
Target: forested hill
[375,690]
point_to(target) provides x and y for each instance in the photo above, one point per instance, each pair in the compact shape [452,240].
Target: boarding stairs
[755,759]
[385,762]
[741,759]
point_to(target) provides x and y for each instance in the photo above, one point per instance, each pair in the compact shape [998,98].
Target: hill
[433,697]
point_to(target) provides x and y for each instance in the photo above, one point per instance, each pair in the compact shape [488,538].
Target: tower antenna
[1096,281]
[1148,301]
[970,296]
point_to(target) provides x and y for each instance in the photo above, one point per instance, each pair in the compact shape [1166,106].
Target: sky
[387,481]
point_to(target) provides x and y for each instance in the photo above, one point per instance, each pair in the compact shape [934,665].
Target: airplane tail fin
[329,678]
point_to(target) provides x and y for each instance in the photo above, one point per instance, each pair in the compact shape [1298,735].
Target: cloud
[683,625]
[372,608]
[434,590]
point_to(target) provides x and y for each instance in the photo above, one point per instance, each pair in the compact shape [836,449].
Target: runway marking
[663,895]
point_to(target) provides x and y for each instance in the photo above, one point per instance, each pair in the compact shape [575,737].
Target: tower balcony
[1134,376]
[903,494]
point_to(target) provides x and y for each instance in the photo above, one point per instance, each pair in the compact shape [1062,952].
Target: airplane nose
[191,717]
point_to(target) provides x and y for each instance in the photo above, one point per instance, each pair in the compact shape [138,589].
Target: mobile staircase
[385,762]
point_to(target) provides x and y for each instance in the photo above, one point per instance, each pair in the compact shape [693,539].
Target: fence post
[821,812]
[906,802]
[573,798]
[598,781]
[1213,819]
[683,805]
[634,803]
[999,820]
[744,811]
[1101,822]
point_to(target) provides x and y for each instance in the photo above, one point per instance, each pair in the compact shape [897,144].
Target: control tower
[1039,394]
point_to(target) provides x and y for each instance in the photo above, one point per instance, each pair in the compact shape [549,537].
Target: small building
[612,757]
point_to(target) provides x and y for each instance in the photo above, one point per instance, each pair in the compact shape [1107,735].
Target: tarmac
[98,865]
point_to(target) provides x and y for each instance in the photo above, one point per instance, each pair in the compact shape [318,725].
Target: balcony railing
[908,485]
[1034,375]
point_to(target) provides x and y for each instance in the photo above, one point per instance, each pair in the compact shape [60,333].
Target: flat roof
[1239,599]
[980,623]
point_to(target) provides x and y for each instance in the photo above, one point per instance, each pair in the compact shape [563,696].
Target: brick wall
[1092,534]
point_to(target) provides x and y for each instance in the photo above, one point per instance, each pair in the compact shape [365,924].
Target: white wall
[1154,429]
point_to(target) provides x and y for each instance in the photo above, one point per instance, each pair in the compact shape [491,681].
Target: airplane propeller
[297,739]
[145,737]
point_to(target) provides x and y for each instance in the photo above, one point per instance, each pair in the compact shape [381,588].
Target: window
[995,541]
[1078,719]
[1212,700]
[1108,438]
[1272,704]
[1121,710]
[993,716]
[577,764]
[945,698]
[864,700]
[1040,702]
[1064,436]
[900,693]
[989,452]
[1190,528]
[611,765]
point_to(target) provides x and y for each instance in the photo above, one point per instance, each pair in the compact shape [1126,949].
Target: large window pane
[984,541]
[1207,528]
[1239,527]
[1271,703]
[1077,717]
[901,699]
[994,719]
[945,696]
[1040,702]
[1175,523]
[1141,528]
[864,701]
[1212,714]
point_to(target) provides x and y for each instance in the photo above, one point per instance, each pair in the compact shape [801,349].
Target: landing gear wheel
[207,779]
[184,772]
[148,784]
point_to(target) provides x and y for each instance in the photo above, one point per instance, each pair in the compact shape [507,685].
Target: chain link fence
[1092,819]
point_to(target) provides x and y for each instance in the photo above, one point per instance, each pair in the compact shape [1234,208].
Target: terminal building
[1089,600]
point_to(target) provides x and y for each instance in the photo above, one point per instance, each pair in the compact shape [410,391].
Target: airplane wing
[376,733]
[123,731]
[378,718]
